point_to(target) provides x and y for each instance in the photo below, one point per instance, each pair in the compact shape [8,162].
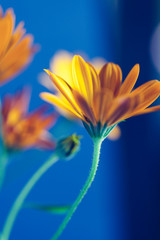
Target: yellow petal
[82,77]
[130,80]
[64,88]
[95,79]
[48,97]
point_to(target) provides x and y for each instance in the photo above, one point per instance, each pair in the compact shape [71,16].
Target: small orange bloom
[16,48]
[101,100]
[21,130]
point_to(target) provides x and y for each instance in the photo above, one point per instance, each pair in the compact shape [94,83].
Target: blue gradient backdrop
[124,200]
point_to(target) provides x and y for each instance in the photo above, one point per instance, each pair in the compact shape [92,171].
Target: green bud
[68,147]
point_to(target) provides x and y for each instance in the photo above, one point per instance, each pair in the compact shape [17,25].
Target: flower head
[22,130]
[16,47]
[61,64]
[101,100]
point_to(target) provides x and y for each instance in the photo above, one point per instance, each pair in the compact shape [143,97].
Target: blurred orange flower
[22,130]
[16,48]
[61,65]
[101,100]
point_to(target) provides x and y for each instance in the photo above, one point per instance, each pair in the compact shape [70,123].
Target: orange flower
[16,48]
[101,100]
[21,130]
[61,63]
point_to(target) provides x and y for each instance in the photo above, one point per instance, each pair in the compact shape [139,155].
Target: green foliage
[52,209]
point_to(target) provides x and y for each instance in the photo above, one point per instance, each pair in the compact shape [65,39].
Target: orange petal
[147,110]
[85,108]
[142,99]
[120,107]
[6,29]
[48,121]
[151,109]
[16,59]
[101,104]
[41,120]
[44,143]
[149,92]
[18,34]
[111,77]
[130,80]
[143,87]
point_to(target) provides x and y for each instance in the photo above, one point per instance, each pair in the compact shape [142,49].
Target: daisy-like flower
[100,99]
[16,48]
[61,65]
[22,130]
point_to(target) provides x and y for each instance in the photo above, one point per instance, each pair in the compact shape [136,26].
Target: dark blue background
[124,200]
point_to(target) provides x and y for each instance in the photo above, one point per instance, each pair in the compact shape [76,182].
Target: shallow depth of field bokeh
[124,200]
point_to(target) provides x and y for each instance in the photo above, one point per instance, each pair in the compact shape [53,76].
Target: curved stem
[3,163]
[22,196]
[96,154]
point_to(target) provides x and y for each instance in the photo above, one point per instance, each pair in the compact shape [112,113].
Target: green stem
[3,163]
[96,154]
[22,196]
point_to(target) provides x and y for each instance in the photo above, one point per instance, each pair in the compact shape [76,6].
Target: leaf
[53,209]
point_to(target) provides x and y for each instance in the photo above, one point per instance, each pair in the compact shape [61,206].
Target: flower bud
[68,147]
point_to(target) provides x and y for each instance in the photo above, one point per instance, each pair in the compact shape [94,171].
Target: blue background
[124,200]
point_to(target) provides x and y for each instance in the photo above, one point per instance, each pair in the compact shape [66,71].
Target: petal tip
[137,67]
[77,58]
[47,71]
[42,95]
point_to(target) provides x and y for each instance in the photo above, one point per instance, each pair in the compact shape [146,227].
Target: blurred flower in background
[23,130]
[61,65]
[155,48]
[16,48]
